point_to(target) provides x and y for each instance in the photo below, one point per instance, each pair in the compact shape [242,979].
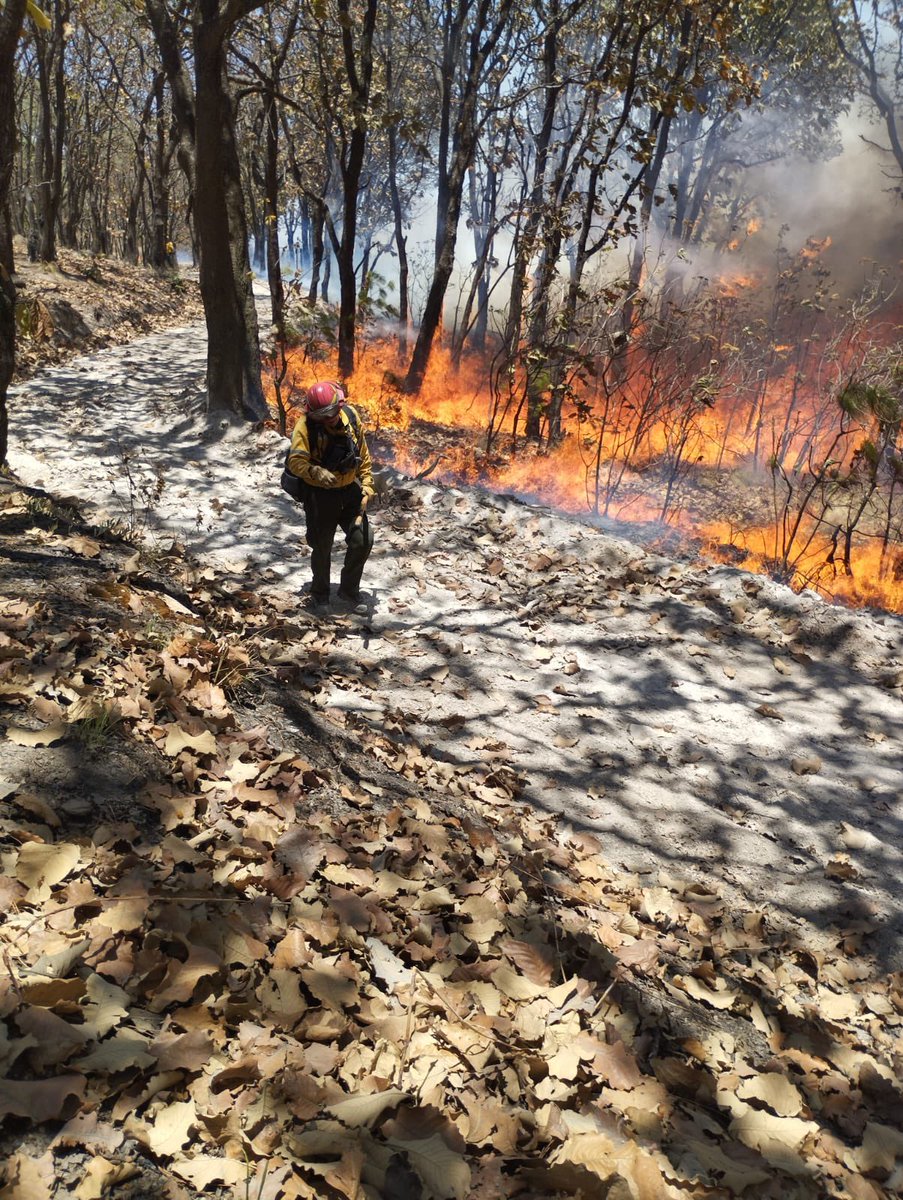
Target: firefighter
[329,456]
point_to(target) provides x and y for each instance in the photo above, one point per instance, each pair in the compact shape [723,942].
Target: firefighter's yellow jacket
[303,459]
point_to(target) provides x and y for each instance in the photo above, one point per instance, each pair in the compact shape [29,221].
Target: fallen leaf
[536,962]
[841,867]
[85,546]
[445,1172]
[171,1127]
[48,736]
[778,1139]
[204,1170]
[41,1100]
[85,1129]
[387,966]
[183,977]
[28,1178]
[41,867]
[719,996]
[127,1048]
[101,1175]
[766,710]
[803,764]
[775,1090]
[178,739]
[881,1147]
[617,1066]
[366,1110]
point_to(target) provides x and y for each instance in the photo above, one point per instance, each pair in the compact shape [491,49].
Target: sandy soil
[708,724]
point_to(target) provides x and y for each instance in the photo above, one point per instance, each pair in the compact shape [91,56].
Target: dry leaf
[366,1110]
[444,1172]
[85,546]
[617,1066]
[170,1129]
[107,1005]
[41,1100]
[183,977]
[767,710]
[778,1139]
[536,962]
[48,736]
[86,1130]
[204,1170]
[41,867]
[127,1048]
[101,1175]
[28,1178]
[775,1090]
[388,966]
[881,1147]
[719,996]
[178,739]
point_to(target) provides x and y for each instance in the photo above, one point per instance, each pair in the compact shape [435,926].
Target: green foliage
[860,400]
[373,299]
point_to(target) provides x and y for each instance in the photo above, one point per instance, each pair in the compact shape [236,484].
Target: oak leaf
[775,1090]
[101,1175]
[28,1178]
[178,739]
[170,1130]
[42,1099]
[536,962]
[41,867]
[48,736]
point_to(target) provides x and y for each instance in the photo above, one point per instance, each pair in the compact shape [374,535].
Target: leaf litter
[265,977]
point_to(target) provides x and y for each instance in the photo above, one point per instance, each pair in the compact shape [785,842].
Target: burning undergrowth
[761,424]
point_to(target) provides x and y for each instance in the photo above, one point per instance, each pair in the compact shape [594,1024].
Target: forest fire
[767,465]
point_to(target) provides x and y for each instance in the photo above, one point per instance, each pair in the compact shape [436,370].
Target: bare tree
[206,112]
[870,37]
[11,16]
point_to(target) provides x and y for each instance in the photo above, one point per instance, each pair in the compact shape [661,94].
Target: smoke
[848,201]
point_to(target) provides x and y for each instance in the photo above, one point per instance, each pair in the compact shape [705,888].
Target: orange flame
[624,436]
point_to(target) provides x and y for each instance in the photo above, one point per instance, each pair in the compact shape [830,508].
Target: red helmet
[324,400]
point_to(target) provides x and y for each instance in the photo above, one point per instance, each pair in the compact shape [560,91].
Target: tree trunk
[401,245]
[11,15]
[161,255]
[52,78]
[359,76]
[482,42]
[233,351]
[271,175]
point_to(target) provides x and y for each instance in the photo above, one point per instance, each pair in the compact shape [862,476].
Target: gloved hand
[359,519]
[323,477]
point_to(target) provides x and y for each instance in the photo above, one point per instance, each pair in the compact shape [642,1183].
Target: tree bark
[359,75]
[274,265]
[52,90]
[484,37]
[11,16]
[233,351]
[206,119]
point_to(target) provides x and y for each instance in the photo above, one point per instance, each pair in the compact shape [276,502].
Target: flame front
[731,453]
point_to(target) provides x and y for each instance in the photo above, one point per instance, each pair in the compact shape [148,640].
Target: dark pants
[325,509]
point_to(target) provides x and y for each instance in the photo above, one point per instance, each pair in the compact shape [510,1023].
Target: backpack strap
[354,421]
